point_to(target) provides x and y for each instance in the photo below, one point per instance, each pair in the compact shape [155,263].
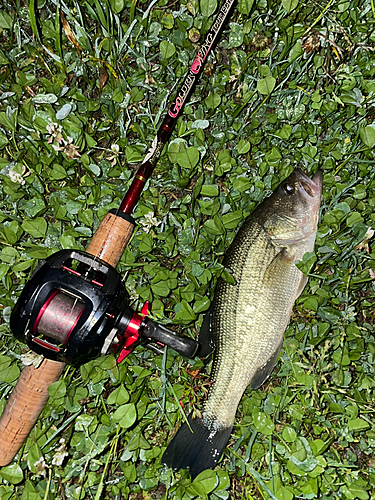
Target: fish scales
[249,317]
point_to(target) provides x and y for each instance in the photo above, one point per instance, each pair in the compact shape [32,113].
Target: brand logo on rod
[199,60]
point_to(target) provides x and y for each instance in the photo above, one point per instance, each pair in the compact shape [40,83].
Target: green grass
[291,84]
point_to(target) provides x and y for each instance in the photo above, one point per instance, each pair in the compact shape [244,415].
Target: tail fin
[199,448]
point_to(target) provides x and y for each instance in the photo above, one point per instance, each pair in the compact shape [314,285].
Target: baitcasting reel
[74,308]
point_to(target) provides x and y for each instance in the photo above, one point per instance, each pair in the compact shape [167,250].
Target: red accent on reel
[71,270]
[131,333]
[46,345]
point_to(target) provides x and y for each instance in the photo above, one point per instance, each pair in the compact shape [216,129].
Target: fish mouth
[311,188]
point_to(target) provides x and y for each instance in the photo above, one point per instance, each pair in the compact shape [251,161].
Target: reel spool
[58,316]
[74,308]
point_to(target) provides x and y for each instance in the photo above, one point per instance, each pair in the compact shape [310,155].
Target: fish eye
[288,189]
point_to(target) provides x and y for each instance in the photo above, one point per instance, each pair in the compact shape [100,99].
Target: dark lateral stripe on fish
[198,450]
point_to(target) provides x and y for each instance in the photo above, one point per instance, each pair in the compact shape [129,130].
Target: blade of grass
[48,484]
[92,12]
[170,387]
[102,18]
[33,14]
[148,9]
[99,491]
[319,17]
[61,428]
[256,476]
[132,10]
[58,40]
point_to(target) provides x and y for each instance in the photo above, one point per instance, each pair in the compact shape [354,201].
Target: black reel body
[74,308]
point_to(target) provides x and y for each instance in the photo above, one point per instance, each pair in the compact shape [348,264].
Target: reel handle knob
[161,335]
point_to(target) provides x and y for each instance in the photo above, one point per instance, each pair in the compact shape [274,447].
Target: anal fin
[264,371]
[205,338]
[301,285]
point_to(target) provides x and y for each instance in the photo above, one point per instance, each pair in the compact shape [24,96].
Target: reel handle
[30,394]
[163,336]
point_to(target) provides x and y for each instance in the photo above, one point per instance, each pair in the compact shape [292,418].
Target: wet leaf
[57,389]
[266,85]
[244,6]
[12,473]
[6,20]
[209,190]
[64,111]
[263,423]
[35,227]
[289,434]
[208,7]
[125,415]
[117,5]
[188,158]
[45,99]
[167,49]
[243,147]
[3,58]
[289,5]
[358,424]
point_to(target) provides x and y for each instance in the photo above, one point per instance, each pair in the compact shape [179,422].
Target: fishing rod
[74,307]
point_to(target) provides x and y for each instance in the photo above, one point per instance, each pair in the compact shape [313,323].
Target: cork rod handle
[24,406]
[30,394]
[111,237]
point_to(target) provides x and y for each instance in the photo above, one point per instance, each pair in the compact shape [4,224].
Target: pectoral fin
[278,267]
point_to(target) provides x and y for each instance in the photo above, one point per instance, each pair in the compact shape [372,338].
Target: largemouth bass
[249,318]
